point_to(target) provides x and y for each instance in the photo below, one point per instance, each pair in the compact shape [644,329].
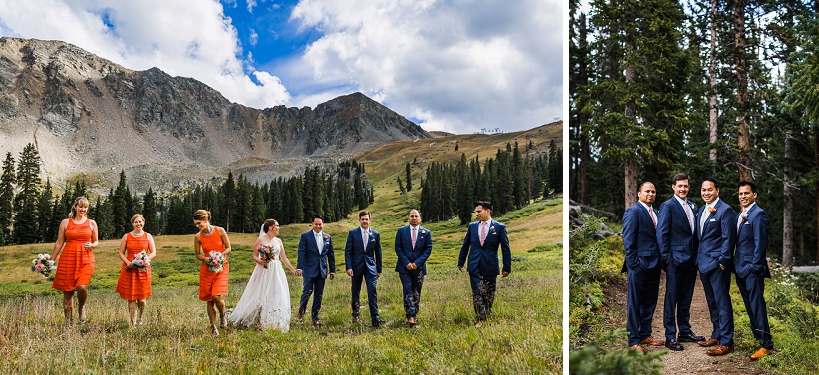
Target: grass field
[524,334]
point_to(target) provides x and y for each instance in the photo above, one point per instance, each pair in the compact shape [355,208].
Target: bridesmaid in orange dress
[212,285]
[134,285]
[76,238]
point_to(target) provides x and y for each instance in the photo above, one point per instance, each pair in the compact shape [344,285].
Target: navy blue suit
[366,265]
[314,264]
[678,250]
[751,268]
[482,263]
[642,264]
[716,247]
[412,280]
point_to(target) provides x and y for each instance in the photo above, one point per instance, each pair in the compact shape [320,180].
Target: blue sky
[457,66]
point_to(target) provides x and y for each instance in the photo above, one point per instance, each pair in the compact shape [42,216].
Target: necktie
[689,215]
[653,219]
[364,237]
[483,231]
[319,243]
[739,219]
[704,215]
[414,236]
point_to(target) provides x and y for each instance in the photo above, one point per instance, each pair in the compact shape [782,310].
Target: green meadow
[524,335]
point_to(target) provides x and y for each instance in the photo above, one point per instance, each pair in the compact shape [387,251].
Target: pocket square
[747,223]
[713,220]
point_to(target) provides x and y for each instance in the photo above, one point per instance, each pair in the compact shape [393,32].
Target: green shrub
[594,358]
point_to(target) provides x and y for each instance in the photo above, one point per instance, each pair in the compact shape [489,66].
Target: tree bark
[630,165]
[787,220]
[713,112]
[743,127]
[582,118]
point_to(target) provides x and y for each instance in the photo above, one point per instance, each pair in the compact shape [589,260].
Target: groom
[315,254]
[481,243]
[362,256]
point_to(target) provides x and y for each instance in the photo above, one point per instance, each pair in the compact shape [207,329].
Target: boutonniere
[692,206]
[712,210]
[326,237]
[744,217]
[423,231]
[492,229]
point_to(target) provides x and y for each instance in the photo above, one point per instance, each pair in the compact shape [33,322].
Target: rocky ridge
[90,118]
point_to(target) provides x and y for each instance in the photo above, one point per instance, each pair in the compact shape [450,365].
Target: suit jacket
[408,254]
[313,263]
[676,240]
[640,239]
[484,259]
[752,243]
[360,259]
[719,234]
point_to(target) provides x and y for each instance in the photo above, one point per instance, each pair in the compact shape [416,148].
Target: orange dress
[76,265]
[134,284]
[212,283]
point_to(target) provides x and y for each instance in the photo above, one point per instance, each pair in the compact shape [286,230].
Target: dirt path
[693,359]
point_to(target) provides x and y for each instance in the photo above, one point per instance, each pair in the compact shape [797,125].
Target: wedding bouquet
[215,261]
[141,261]
[43,264]
[265,254]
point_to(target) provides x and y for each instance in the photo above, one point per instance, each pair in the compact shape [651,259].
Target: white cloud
[457,66]
[250,5]
[254,38]
[189,38]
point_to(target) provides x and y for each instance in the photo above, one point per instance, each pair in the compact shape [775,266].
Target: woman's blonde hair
[79,202]
[137,216]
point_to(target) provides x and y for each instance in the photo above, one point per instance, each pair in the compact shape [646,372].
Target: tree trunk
[582,118]
[743,128]
[712,101]
[816,182]
[630,167]
[787,220]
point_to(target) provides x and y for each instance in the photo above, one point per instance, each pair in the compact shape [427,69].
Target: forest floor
[692,360]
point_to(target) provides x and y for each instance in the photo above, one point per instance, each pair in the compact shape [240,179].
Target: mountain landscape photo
[173,133]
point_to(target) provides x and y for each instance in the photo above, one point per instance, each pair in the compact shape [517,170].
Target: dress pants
[412,281]
[679,289]
[717,284]
[483,293]
[372,297]
[752,288]
[643,289]
[312,284]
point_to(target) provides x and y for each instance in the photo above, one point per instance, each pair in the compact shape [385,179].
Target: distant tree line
[31,212]
[510,180]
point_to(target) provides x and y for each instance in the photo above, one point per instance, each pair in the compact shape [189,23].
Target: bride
[266,299]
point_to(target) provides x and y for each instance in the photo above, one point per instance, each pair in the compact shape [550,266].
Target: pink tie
[653,219]
[483,231]
[739,221]
[414,236]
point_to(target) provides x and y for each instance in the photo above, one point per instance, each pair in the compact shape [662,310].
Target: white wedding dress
[266,299]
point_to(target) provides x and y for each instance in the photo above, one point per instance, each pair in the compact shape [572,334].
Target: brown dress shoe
[640,347]
[720,350]
[412,322]
[707,343]
[761,353]
[652,341]
[479,324]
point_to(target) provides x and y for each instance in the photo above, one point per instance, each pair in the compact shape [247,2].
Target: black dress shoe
[673,345]
[377,323]
[689,337]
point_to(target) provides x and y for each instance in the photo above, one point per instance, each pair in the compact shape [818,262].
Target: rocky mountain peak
[88,116]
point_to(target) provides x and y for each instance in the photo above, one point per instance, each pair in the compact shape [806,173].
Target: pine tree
[463,196]
[401,186]
[149,211]
[409,175]
[7,182]
[44,212]
[28,182]
[119,208]
[228,200]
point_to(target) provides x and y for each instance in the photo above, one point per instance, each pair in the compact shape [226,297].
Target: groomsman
[362,255]
[751,266]
[678,249]
[413,245]
[717,231]
[316,255]
[642,264]
[483,237]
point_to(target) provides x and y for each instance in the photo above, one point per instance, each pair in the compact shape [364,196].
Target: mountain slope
[90,118]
